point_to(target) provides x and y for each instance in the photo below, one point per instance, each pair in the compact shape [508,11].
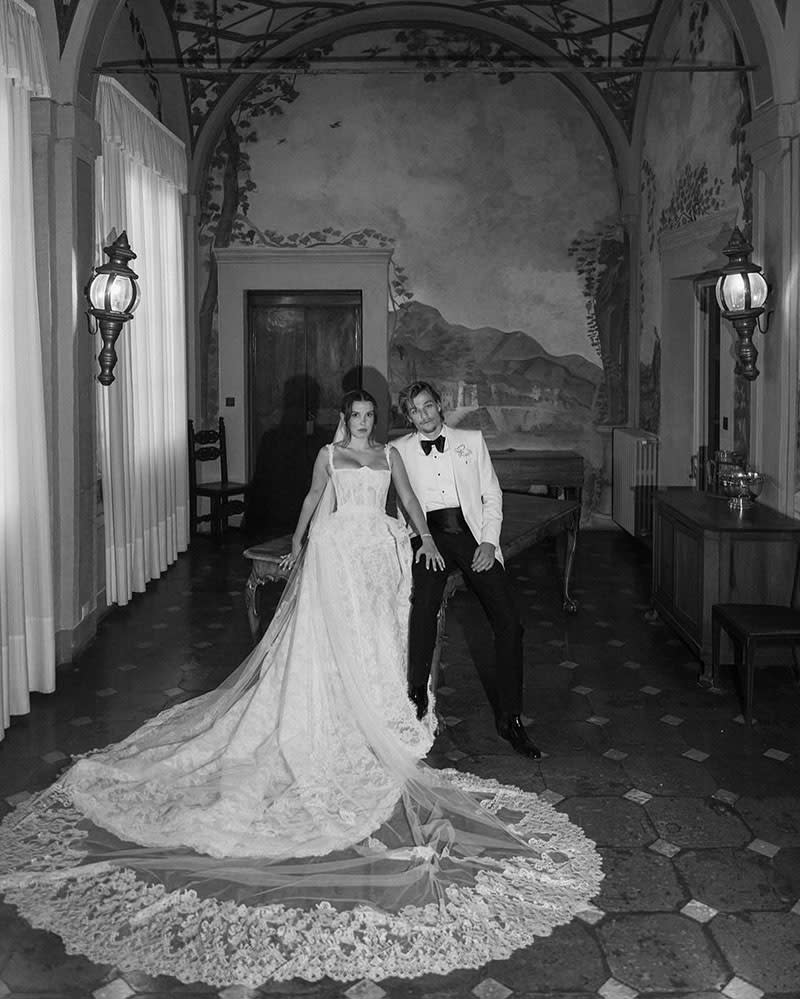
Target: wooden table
[704,553]
[526,520]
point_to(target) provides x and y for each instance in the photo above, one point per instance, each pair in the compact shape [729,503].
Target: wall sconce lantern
[741,294]
[113,294]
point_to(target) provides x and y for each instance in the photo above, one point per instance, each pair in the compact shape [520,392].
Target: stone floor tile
[489,988]
[612,989]
[773,818]
[698,911]
[738,988]
[660,952]
[365,989]
[664,848]
[668,776]
[611,821]
[568,961]
[579,774]
[733,880]
[18,798]
[762,847]
[116,989]
[591,915]
[636,880]
[689,822]
[761,947]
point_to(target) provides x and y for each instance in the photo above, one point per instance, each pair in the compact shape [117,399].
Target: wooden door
[305,351]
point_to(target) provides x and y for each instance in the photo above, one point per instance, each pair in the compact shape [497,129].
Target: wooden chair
[210,445]
[751,626]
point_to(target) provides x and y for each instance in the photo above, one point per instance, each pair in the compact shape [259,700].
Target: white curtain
[142,415]
[27,629]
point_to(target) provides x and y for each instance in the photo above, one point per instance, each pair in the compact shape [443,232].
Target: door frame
[700,430]
[689,253]
[270,268]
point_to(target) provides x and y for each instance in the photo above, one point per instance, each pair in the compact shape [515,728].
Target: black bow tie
[428,446]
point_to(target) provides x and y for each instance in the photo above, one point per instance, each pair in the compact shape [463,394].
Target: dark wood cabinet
[704,553]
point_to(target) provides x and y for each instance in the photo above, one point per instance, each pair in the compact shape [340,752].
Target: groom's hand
[483,559]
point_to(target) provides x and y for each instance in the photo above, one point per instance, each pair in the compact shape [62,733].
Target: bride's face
[362,420]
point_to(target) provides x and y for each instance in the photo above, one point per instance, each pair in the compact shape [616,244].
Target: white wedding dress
[283,825]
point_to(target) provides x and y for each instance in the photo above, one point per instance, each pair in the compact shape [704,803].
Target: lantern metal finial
[741,293]
[113,295]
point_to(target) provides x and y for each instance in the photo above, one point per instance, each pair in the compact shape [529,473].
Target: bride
[284,825]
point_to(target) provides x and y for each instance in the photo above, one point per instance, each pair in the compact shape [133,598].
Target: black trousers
[492,587]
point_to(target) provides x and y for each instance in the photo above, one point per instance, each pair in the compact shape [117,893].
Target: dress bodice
[361,488]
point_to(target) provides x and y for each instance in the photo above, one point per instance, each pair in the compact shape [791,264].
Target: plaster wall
[500,205]
[695,167]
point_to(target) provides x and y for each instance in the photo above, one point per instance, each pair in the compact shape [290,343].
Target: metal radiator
[634,469]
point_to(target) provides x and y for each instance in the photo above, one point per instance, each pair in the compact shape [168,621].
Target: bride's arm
[319,480]
[411,504]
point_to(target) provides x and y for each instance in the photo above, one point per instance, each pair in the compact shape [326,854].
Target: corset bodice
[361,488]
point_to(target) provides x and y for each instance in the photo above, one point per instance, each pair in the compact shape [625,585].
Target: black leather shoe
[510,728]
[419,698]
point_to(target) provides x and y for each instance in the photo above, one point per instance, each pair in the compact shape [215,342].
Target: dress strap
[330,455]
[387,450]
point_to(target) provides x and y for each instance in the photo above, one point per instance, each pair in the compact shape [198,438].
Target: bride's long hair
[346,411]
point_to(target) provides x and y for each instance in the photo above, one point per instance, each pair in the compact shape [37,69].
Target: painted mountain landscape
[503,383]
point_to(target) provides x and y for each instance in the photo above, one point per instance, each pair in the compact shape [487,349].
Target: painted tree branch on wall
[601,258]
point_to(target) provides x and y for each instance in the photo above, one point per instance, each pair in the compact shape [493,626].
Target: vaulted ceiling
[218,41]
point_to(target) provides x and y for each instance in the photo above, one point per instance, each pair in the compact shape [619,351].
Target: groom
[452,475]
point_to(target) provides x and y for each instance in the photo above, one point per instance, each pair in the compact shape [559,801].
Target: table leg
[569,604]
[250,601]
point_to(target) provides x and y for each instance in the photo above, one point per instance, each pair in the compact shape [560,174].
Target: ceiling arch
[519,49]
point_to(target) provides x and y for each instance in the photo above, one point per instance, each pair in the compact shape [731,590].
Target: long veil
[455,871]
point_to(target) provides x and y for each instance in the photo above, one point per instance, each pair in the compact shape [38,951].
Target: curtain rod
[261,68]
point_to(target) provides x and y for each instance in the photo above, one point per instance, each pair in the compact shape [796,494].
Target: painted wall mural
[510,267]
[695,163]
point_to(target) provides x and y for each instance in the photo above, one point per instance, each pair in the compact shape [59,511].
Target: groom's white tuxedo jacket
[478,488]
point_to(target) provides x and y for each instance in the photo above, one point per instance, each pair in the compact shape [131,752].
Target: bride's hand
[428,550]
[288,560]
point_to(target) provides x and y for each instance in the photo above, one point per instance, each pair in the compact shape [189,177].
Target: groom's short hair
[410,392]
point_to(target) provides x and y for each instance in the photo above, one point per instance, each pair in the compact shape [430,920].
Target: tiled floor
[697,818]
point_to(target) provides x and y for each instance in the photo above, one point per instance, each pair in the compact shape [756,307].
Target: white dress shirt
[437,479]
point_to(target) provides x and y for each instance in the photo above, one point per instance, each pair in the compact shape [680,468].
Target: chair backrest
[207,445]
[795,599]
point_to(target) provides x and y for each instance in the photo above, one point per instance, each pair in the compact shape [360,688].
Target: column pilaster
[65,146]
[773,139]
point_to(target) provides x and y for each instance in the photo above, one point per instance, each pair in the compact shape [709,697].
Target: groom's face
[426,415]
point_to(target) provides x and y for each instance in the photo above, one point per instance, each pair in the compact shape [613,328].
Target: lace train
[114,915]
[283,825]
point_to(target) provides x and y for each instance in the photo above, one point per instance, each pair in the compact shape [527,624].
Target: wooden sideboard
[705,553]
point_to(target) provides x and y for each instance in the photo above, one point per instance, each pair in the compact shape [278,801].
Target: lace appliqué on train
[114,916]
